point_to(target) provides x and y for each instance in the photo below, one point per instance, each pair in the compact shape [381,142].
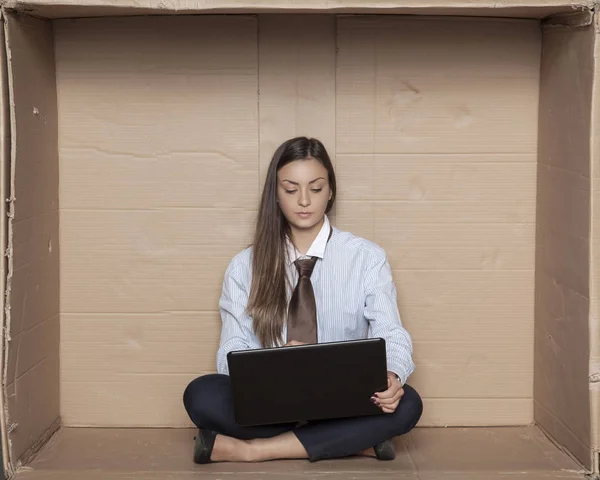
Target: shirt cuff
[399,372]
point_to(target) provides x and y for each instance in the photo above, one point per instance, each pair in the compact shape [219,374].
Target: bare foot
[286,445]
[369,452]
[227,449]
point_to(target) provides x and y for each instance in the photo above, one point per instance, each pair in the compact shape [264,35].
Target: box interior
[134,151]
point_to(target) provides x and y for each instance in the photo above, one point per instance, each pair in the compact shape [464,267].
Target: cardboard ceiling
[501,8]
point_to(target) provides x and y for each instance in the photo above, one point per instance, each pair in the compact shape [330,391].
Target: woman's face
[303,193]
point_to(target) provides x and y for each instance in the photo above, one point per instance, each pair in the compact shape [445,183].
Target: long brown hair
[267,303]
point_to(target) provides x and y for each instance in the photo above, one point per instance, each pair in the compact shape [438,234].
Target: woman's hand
[388,401]
[293,343]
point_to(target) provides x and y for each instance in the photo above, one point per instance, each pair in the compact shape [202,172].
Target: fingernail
[373,400]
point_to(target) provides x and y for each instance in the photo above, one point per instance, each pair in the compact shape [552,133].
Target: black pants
[208,401]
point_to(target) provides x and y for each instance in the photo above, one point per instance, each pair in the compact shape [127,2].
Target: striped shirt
[354,293]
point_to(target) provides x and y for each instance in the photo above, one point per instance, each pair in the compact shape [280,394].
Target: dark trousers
[208,401]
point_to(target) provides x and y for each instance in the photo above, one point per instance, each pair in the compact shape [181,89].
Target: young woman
[304,281]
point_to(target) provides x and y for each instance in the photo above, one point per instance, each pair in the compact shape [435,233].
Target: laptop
[307,382]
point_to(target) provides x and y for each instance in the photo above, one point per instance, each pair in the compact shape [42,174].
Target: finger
[389,393]
[389,400]
[395,399]
[390,409]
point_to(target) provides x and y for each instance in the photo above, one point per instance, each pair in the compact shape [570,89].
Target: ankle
[250,451]
[224,449]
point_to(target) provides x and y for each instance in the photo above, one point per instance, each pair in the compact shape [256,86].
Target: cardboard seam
[594,367]
[558,445]
[258,104]
[596,466]
[37,446]
[576,19]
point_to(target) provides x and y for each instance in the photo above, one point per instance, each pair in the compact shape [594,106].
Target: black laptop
[307,382]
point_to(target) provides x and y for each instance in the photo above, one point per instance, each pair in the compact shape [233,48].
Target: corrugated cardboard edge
[595,264]
[4,189]
[8,165]
[97,8]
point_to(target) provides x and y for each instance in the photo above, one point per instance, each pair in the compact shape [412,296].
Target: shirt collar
[317,249]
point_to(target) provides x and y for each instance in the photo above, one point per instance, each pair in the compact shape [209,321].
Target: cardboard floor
[426,454]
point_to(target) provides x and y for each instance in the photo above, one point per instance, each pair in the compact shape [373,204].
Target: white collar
[317,249]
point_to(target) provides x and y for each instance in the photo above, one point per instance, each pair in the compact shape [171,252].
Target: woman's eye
[290,191]
[316,190]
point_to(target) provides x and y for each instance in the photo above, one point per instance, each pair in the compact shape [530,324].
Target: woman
[299,264]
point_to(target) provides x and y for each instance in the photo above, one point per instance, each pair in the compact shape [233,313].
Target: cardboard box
[134,145]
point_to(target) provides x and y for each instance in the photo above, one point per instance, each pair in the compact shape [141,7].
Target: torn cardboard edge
[4,188]
[7,157]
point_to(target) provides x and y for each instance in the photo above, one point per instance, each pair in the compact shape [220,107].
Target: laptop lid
[307,382]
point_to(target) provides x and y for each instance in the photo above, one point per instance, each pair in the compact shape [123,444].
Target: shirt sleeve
[381,311]
[236,326]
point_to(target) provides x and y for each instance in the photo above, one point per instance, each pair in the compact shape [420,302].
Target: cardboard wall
[297,73]
[436,146]
[562,395]
[164,139]
[159,185]
[32,319]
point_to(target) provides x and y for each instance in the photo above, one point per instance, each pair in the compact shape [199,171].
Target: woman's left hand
[388,400]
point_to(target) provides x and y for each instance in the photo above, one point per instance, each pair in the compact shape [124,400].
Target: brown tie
[302,313]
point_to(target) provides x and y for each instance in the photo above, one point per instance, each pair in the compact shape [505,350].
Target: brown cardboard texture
[594,328]
[464,144]
[31,361]
[563,225]
[489,8]
[521,452]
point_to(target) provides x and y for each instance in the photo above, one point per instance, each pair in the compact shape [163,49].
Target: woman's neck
[303,238]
